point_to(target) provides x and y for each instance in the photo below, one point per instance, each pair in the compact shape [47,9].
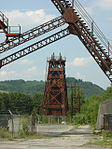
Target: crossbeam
[31,34]
[34,47]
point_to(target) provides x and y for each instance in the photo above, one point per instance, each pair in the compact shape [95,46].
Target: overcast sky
[31,13]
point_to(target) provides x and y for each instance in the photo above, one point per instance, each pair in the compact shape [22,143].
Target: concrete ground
[63,137]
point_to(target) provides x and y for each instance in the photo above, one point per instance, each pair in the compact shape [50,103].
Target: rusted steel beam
[78,25]
[34,47]
[31,34]
[94,48]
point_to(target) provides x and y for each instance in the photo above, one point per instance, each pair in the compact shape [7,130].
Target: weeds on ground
[103,143]
[31,136]
[106,138]
[5,134]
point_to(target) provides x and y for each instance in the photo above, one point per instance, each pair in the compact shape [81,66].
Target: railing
[14,29]
[3,18]
[93,27]
[56,58]
[10,29]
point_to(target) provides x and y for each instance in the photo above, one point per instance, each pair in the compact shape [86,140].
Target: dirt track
[77,138]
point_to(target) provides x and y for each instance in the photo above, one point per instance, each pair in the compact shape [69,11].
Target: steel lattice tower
[75,100]
[55,93]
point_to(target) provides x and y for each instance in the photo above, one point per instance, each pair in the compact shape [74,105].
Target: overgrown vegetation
[24,130]
[22,103]
[105,140]
[4,133]
[89,108]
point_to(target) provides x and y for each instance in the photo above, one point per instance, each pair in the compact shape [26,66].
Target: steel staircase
[82,25]
[94,40]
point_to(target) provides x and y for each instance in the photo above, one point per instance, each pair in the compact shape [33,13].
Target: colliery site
[59,111]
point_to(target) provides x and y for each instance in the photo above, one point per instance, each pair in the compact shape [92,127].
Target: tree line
[33,87]
[19,103]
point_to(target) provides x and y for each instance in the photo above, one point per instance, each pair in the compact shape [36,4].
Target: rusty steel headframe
[55,94]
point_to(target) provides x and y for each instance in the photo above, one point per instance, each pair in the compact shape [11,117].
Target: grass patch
[32,136]
[103,142]
[5,134]
[106,139]
[76,126]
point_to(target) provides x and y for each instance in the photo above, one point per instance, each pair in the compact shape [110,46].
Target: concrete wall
[104,108]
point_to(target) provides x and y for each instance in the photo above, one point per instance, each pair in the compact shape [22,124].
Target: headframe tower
[55,93]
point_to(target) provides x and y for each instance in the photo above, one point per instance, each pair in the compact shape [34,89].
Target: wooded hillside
[33,87]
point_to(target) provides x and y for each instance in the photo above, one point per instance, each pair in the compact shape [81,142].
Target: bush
[79,119]
[25,127]
[4,133]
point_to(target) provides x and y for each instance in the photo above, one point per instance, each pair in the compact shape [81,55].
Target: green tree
[37,101]
[108,93]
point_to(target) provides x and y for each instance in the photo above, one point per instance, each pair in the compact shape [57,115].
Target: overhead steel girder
[31,34]
[34,47]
